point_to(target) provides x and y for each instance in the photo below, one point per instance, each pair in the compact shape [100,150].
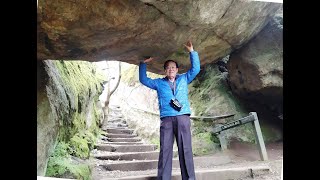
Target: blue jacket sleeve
[195,66]
[151,83]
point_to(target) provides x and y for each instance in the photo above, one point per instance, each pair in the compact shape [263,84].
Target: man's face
[171,70]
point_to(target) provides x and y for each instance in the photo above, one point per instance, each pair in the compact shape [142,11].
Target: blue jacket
[164,91]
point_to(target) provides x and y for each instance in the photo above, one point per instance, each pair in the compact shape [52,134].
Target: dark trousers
[178,126]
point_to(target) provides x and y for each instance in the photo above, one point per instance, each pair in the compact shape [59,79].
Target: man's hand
[189,46]
[146,60]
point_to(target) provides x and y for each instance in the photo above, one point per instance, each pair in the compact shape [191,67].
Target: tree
[109,93]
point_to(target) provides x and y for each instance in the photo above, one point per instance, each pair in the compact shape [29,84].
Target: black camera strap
[172,88]
[174,103]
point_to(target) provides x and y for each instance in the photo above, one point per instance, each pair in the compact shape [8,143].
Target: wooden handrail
[212,117]
[192,117]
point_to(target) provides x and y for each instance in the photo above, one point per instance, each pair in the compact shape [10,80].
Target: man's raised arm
[195,62]
[143,78]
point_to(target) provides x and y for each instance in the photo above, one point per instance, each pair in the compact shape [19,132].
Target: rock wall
[67,93]
[256,69]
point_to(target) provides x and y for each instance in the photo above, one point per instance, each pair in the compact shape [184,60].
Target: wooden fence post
[222,139]
[259,137]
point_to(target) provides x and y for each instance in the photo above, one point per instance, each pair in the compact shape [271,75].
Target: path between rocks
[121,154]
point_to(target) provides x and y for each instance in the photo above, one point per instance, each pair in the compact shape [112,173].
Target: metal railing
[192,117]
[251,118]
[220,128]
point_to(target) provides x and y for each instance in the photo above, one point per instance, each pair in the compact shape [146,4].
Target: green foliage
[79,123]
[210,96]
[79,146]
[101,132]
[60,164]
[204,143]
[156,141]
[81,171]
[82,143]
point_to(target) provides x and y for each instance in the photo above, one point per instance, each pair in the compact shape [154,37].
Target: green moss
[203,140]
[83,139]
[269,134]
[81,83]
[61,165]
[156,141]
[80,80]
[78,124]
[96,116]
[210,96]
[81,77]
[204,143]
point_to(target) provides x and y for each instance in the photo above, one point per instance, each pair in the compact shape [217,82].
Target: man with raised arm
[175,113]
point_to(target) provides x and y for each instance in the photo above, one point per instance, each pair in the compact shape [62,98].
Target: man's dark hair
[167,62]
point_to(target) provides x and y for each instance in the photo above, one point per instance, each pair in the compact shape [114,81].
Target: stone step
[152,155]
[210,174]
[51,178]
[116,115]
[119,130]
[110,135]
[132,139]
[108,127]
[105,128]
[116,120]
[121,143]
[126,148]
[142,165]
[115,125]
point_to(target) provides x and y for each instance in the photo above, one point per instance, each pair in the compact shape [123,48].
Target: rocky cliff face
[126,30]
[256,70]
[67,93]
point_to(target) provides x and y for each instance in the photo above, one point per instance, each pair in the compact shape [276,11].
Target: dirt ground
[246,154]
[241,155]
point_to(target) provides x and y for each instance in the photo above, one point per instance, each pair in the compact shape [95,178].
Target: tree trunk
[109,93]
[118,82]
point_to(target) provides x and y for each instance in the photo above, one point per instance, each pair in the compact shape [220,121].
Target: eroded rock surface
[127,30]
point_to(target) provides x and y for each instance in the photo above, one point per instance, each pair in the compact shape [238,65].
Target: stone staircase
[121,154]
